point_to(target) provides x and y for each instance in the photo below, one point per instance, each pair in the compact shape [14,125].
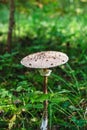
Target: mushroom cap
[44,59]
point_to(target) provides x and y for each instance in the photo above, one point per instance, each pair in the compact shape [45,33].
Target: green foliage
[57,26]
[24,95]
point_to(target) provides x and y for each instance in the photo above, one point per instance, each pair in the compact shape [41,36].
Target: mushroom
[45,60]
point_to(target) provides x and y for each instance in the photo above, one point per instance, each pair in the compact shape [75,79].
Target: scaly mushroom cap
[44,59]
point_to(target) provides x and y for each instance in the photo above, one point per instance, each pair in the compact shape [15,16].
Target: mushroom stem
[45,84]
[44,123]
[45,92]
[45,73]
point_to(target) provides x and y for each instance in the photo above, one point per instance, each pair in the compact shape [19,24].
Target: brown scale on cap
[45,59]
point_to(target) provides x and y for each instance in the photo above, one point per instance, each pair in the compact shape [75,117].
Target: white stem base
[44,124]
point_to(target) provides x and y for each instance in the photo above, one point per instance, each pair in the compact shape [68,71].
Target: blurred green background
[41,25]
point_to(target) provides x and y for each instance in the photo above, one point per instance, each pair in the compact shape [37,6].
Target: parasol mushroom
[45,60]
